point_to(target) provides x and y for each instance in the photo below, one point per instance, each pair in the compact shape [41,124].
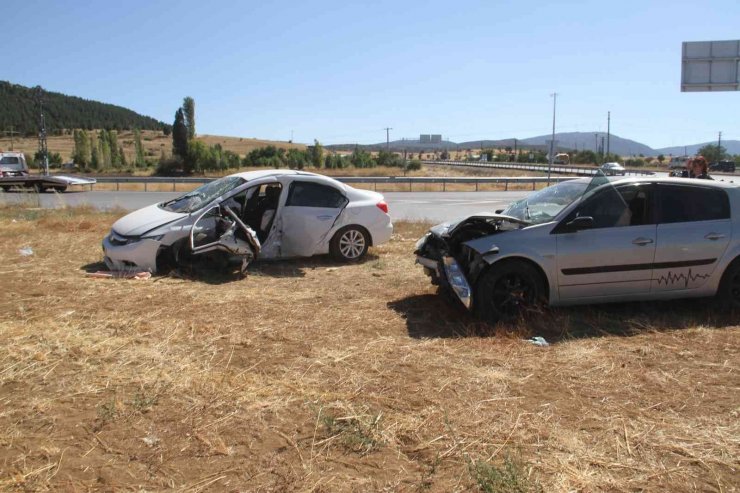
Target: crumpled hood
[139,222]
[448,227]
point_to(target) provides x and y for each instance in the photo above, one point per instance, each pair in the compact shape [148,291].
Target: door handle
[642,241]
[714,236]
[324,218]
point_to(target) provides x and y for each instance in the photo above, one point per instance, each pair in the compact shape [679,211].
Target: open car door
[220,229]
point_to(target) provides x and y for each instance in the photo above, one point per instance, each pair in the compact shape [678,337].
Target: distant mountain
[592,141]
[19,109]
[566,141]
[731,147]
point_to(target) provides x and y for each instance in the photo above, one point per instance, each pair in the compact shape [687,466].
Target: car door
[220,228]
[614,256]
[694,230]
[310,211]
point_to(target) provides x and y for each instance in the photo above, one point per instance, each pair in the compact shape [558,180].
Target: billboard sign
[710,66]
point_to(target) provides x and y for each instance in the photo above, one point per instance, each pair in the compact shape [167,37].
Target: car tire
[729,287]
[350,244]
[508,290]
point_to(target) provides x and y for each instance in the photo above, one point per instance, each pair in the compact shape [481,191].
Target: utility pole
[43,150]
[552,142]
[608,129]
[596,143]
[387,138]
[719,147]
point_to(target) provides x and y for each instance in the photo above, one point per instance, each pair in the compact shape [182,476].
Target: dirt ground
[313,376]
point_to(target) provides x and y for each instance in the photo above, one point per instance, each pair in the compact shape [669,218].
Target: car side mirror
[579,223]
[499,211]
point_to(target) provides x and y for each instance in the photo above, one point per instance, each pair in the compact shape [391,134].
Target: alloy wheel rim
[512,293]
[352,244]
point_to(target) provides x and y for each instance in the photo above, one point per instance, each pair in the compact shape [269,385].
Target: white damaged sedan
[267,214]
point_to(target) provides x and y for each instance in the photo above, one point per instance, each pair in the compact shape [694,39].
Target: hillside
[731,146]
[154,143]
[19,109]
[588,141]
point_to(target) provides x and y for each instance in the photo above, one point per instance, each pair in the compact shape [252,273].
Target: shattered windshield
[203,195]
[543,206]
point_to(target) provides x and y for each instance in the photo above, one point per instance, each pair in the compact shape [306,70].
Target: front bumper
[448,273]
[140,255]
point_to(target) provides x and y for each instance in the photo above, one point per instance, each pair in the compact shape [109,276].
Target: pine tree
[188,109]
[179,135]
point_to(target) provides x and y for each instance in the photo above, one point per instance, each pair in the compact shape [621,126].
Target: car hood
[448,228]
[139,222]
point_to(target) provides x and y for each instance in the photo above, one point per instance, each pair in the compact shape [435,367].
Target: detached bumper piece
[457,281]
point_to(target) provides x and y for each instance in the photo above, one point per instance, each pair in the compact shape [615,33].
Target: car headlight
[421,241]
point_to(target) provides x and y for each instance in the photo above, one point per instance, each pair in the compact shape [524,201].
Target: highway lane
[414,206]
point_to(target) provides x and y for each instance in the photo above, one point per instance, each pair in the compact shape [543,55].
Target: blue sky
[341,71]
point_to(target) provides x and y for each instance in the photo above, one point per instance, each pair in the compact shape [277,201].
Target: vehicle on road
[725,165]
[592,241]
[14,174]
[678,162]
[613,169]
[259,214]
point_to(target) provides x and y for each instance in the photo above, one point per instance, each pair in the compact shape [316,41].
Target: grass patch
[312,375]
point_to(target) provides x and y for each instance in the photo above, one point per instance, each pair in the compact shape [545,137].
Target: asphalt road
[415,206]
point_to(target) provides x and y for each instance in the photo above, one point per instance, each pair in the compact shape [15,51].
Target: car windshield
[543,206]
[203,195]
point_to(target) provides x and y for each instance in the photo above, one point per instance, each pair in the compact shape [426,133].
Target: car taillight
[382,206]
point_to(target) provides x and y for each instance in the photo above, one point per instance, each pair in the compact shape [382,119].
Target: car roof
[678,181]
[256,175]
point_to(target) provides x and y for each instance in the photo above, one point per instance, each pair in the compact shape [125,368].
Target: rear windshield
[10,160]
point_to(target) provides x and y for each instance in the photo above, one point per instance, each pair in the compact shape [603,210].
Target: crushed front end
[449,262]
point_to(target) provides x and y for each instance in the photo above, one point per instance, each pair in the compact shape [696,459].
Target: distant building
[436,138]
[425,139]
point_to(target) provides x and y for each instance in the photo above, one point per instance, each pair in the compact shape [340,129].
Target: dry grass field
[316,377]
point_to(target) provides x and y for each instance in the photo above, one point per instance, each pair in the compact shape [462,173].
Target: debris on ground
[538,341]
[120,274]
[26,251]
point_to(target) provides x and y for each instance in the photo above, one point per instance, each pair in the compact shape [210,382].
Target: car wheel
[729,288]
[350,244]
[508,290]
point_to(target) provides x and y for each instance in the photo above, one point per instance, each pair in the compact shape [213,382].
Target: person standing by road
[698,168]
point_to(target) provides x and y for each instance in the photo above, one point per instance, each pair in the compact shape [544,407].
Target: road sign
[710,66]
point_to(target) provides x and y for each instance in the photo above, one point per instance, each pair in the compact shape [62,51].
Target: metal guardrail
[375,180]
[567,169]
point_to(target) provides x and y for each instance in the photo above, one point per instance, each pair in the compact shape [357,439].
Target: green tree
[122,157]
[81,153]
[585,157]
[188,110]
[179,135]
[296,159]
[95,158]
[115,158]
[105,154]
[317,154]
[712,153]
[139,161]
[661,158]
